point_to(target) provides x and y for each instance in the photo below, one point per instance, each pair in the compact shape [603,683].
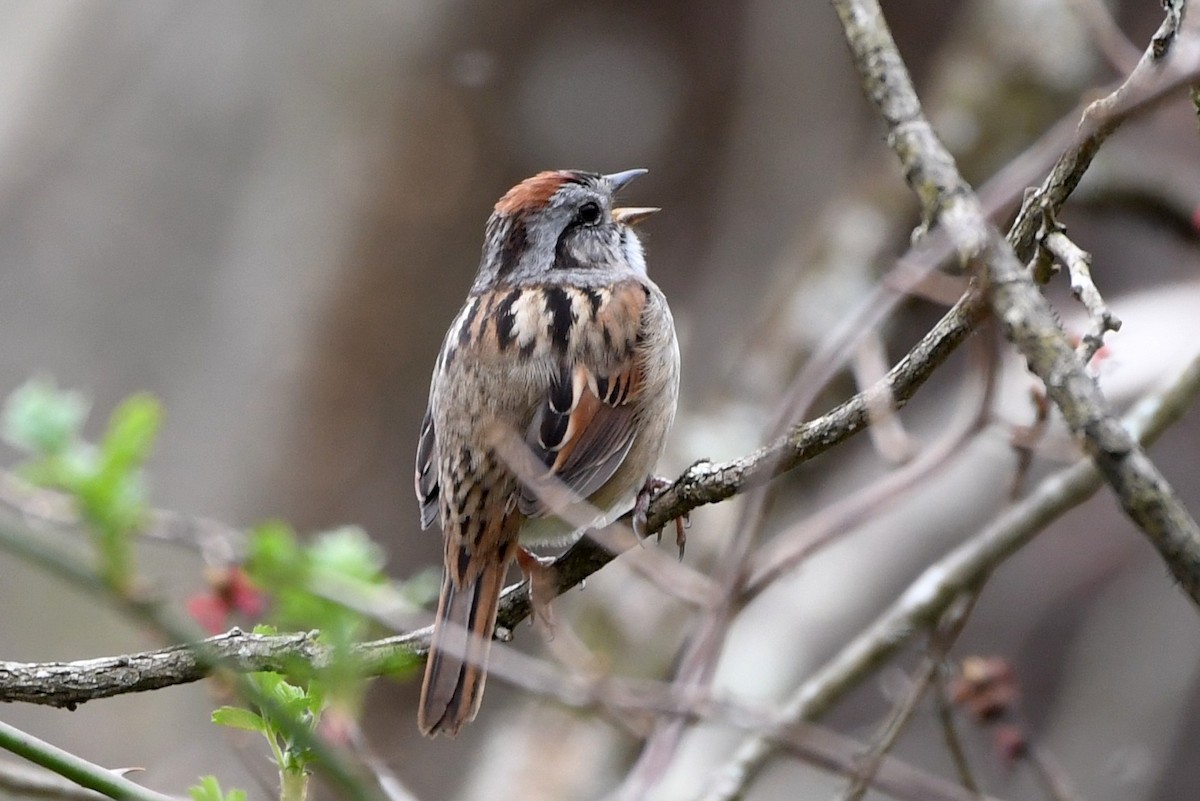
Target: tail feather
[462,638]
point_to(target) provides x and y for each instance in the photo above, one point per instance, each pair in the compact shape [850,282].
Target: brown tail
[458,652]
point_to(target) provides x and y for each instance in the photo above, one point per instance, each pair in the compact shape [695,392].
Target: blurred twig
[37,507]
[1058,787]
[940,642]
[954,746]
[1109,40]
[887,432]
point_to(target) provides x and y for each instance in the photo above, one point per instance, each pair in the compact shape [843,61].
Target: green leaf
[237,718]
[289,696]
[41,419]
[209,789]
[349,553]
[265,681]
[316,698]
[131,432]
[273,556]
[421,588]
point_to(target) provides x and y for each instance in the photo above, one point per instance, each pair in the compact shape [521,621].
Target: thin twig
[622,698]
[391,785]
[1055,782]
[941,641]
[1079,266]
[954,747]
[37,507]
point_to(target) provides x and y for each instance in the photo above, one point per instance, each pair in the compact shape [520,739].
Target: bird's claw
[650,490]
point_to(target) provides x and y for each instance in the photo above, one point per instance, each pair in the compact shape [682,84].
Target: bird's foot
[652,488]
[543,587]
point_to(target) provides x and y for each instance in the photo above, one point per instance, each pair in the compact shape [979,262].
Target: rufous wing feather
[584,430]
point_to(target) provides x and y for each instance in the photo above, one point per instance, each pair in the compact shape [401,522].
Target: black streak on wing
[556,416]
[427,485]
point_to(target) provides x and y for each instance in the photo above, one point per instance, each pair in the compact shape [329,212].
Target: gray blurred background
[267,214]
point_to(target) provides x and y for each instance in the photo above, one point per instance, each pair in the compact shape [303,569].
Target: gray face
[570,236]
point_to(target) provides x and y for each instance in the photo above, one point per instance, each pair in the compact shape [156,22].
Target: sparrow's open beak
[632,216]
[619,179]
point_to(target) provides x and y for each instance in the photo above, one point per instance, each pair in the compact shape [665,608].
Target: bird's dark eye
[589,213]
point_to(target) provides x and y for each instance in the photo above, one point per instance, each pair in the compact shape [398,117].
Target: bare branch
[1028,319]
[68,684]
[1154,78]
[71,683]
[707,482]
[1079,266]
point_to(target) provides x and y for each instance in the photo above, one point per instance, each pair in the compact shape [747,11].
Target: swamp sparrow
[566,345]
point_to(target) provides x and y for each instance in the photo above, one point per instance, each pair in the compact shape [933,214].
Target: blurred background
[268,217]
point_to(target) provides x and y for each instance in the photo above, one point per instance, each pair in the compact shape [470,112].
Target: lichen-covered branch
[68,684]
[1027,317]
[1079,267]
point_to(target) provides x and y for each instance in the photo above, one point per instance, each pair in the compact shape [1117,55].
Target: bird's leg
[653,486]
[543,586]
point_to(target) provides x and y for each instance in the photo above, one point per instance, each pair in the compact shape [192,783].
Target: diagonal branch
[79,770]
[1029,320]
